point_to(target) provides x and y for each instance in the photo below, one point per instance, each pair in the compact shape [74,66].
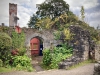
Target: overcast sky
[27,7]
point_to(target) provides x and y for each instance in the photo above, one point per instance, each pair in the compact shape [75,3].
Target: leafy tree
[58,23]
[82,13]
[44,23]
[52,8]
[32,22]
[54,11]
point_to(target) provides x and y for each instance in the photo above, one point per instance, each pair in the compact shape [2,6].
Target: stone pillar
[97,52]
[86,51]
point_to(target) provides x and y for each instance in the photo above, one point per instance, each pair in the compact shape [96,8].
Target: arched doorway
[36,46]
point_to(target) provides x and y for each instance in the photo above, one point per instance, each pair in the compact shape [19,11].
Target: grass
[3,69]
[81,64]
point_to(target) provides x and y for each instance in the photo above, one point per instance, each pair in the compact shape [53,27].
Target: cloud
[26,8]
[4,11]
[94,19]
[86,3]
[92,9]
[95,23]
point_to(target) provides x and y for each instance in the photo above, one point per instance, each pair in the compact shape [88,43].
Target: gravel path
[83,70]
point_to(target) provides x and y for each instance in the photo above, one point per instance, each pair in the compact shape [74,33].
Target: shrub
[14,52]
[22,50]
[46,57]
[1,63]
[51,59]
[22,62]
[56,58]
[59,54]
[18,41]
[5,45]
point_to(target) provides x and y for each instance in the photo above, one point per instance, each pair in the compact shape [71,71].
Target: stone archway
[45,37]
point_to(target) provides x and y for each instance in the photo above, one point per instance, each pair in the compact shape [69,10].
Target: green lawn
[81,64]
[3,69]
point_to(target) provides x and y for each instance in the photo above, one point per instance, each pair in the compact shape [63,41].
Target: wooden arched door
[35,46]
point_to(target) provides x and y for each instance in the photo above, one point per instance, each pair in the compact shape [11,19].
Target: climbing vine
[68,35]
[57,35]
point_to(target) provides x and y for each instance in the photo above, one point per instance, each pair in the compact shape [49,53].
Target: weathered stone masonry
[82,47]
[81,42]
[46,36]
[13,15]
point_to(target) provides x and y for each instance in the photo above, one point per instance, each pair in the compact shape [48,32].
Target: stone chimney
[13,15]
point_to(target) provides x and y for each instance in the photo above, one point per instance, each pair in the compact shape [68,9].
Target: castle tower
[13,15]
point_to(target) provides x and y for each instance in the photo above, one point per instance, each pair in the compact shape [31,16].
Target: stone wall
[83,46]
[46,37]
[81,42]
[97,58]
[97,68]
[70,62]
[97,53]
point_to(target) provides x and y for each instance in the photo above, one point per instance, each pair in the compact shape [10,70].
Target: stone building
[81,44]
